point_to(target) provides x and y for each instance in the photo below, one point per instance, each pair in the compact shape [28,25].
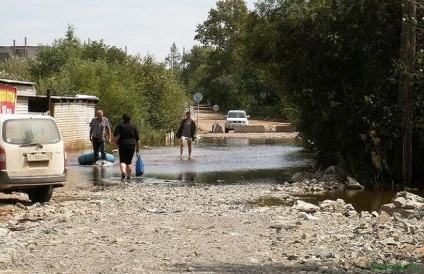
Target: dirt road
[206,118]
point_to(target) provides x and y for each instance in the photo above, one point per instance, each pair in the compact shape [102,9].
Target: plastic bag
[139,166]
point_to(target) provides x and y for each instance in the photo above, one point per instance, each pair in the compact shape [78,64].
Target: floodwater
[224,161]
[361,200]
[213,161]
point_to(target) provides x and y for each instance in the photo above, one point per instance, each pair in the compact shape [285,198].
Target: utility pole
[406,85]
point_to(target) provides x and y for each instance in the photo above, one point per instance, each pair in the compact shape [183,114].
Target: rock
[410,197]
[382,219]
[4,258]
[3,232]
[363,262]
[335,174]
[388,208]
[419,251]
[305,207]
[375,214]
[353,184]
[338,206]
[389,241]
[404,203]
[301,176]
[307,216]
[399,202]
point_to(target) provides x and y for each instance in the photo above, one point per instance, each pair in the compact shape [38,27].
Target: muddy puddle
[362,200]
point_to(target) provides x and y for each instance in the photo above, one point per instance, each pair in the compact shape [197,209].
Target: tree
[222,32]
[335,63]
[51,59]
[173,60]
[194,75]
[15,68]
[123,83]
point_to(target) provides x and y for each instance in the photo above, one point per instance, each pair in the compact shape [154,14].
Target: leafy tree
[195,74]
[51,59]
[335,63]
[15,68]
[149,92]
[222,32]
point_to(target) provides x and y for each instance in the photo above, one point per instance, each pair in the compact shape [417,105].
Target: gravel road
[177,228]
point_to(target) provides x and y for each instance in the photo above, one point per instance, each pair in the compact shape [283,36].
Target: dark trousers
[99,146]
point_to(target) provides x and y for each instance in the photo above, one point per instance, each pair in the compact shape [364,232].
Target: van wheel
[226,130]
[40,194]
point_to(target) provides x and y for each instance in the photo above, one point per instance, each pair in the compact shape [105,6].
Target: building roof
[79,97]
[16,82]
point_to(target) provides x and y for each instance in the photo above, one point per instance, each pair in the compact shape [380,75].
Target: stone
[382,219]
[387,208]
[3,232]
[419,251]
[307,216]
[410,196]
[399,202]
[305,207]
[335,174]
[363,262]
[301,176]
[353,184]
[4,258]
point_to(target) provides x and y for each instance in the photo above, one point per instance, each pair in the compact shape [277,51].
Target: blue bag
[139,166]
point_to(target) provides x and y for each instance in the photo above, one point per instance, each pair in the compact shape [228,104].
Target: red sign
[8,97]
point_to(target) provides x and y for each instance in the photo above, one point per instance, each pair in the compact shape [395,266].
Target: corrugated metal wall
[21,106]
[73,120]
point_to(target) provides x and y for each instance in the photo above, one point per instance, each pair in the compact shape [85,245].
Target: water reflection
[361,200]
[99,173]
[214,160]
[188,177]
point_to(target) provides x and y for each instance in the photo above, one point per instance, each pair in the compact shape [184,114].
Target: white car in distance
[235,118]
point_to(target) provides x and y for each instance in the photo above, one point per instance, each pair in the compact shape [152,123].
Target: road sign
[215,108]
[198,97]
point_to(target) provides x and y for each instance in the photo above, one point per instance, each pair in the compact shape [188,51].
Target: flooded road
[213,161]
[224,161]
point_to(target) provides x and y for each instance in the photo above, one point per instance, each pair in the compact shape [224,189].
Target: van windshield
[25,131]
[236,115]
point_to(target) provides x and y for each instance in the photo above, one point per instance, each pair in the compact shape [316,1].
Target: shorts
[126,154]
[186,138]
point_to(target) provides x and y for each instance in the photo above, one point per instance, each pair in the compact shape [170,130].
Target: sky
[145,27]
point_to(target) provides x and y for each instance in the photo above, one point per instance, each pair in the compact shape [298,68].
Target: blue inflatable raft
[88,158]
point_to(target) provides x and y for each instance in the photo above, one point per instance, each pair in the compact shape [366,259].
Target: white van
[32,156]
[235,118]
